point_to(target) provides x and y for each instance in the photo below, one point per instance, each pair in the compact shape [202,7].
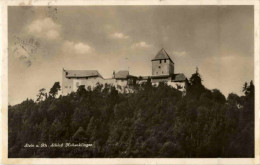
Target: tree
[196,78]
[41,94]
[245,88]
[232,97]
[91,129]
[79,135]
[81,90]
[195,87]
[55,88]
[251,90]
[154,121]
[218,96]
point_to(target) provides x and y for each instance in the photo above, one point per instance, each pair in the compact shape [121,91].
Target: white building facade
[162,71]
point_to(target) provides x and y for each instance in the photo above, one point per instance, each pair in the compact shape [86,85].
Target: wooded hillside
[152,122]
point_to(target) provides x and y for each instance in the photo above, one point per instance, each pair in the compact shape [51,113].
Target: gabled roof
[122,74]
[82,73]
[161,55]
[179,77]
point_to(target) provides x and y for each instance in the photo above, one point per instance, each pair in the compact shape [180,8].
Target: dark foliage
[54,90]
[151,122]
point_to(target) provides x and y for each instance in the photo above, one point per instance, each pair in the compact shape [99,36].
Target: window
[162,72]
[165,61]
[160,61]
[159,66]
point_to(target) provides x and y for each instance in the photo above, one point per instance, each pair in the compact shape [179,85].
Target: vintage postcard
[130,82]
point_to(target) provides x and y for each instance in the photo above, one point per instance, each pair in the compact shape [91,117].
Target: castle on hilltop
[162,71]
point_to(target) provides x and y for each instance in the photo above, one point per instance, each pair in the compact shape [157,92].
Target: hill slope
[152,122]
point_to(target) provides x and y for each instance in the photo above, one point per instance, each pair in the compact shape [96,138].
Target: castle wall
[171,67]
[121,82]
[66,85]
[181,86]
[72,84]
[163,68]
[109,82]
[160,68]
[141,81]
[157,80]
[90,82]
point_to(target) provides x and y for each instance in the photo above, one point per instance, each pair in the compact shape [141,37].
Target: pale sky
[43,40]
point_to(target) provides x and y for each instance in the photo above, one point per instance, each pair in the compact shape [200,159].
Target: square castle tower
[162,64]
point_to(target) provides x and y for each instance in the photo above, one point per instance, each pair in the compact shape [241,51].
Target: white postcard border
[4,85]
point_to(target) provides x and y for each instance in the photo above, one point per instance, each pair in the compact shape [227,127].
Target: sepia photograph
[131,81]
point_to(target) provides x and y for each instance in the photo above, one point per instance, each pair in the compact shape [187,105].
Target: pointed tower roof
[161,55]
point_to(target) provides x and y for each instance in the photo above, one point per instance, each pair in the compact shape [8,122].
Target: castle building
[72,79]
[162,64]
[162,71]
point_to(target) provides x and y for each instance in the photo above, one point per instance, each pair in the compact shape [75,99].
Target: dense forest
[153,122]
